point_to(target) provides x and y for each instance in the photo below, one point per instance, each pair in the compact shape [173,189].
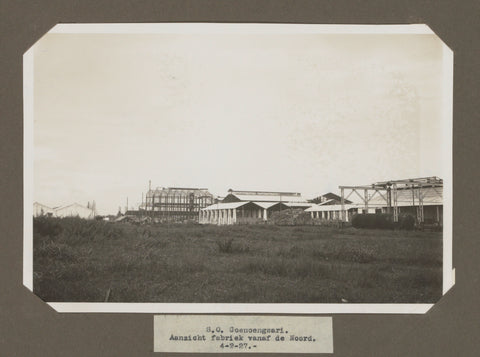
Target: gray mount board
[28,327]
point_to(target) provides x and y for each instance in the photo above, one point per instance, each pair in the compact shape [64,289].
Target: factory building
[42,210]
[330,199]
[332,211]
[425,203]
[176,203]
[420,197]
[328,206]
[248,207]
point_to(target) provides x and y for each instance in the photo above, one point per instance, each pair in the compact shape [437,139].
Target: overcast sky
[300,112]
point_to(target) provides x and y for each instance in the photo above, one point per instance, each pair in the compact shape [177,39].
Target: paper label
[257,334]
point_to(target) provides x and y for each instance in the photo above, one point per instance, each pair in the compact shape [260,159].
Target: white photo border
[217,308]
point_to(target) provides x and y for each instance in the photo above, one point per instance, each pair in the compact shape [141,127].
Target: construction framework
[175,203]
[388,190]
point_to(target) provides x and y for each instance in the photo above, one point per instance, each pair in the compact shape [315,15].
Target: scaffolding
[388,191]
[176,203]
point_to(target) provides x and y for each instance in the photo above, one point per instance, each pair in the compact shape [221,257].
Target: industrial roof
[268,198]
[264,193]
[326,202]
[70,205]
[267,205]
[298,204]
[322,208]
[41,204]
[431,196]
[229,205]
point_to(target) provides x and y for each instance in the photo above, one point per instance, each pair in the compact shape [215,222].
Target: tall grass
[78,260]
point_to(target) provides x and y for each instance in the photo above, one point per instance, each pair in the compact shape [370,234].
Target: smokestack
[149,185]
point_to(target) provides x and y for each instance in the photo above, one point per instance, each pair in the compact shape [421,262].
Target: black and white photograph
[231,164]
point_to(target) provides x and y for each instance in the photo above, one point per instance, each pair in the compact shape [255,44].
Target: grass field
[77,260]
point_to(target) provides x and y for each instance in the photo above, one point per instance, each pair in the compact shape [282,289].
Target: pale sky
[299,112]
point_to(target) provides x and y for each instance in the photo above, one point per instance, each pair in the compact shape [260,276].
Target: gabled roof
[298,204]
[267,205]
[322,208]
[264,198]
[41,205]
[75,204]
[432,196]
[329,197]
[228,205]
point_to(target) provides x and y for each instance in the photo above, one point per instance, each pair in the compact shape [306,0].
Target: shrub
[406,222]
[357,220]
[225,245]
[303,218]
[291,217]
[373,221]
[46,226]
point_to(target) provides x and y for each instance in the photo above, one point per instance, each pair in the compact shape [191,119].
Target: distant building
[176,203]
[329,206]
[329,198]
[75,210]
[332,211]
[72,210]
[245,207]
[42,210]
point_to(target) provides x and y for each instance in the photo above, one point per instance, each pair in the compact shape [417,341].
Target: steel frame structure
[177,203]
[390,188]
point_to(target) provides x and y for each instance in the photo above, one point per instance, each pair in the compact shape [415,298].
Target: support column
[264,214]
[396,209]
[234,216]
[366,200]
[342,201]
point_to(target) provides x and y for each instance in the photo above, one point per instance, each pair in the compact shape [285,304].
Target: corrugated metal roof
[38,204]
[298,204]
[269,198]
[432,196]
[323,208]
[229,205]
[266,204]
[325,202]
